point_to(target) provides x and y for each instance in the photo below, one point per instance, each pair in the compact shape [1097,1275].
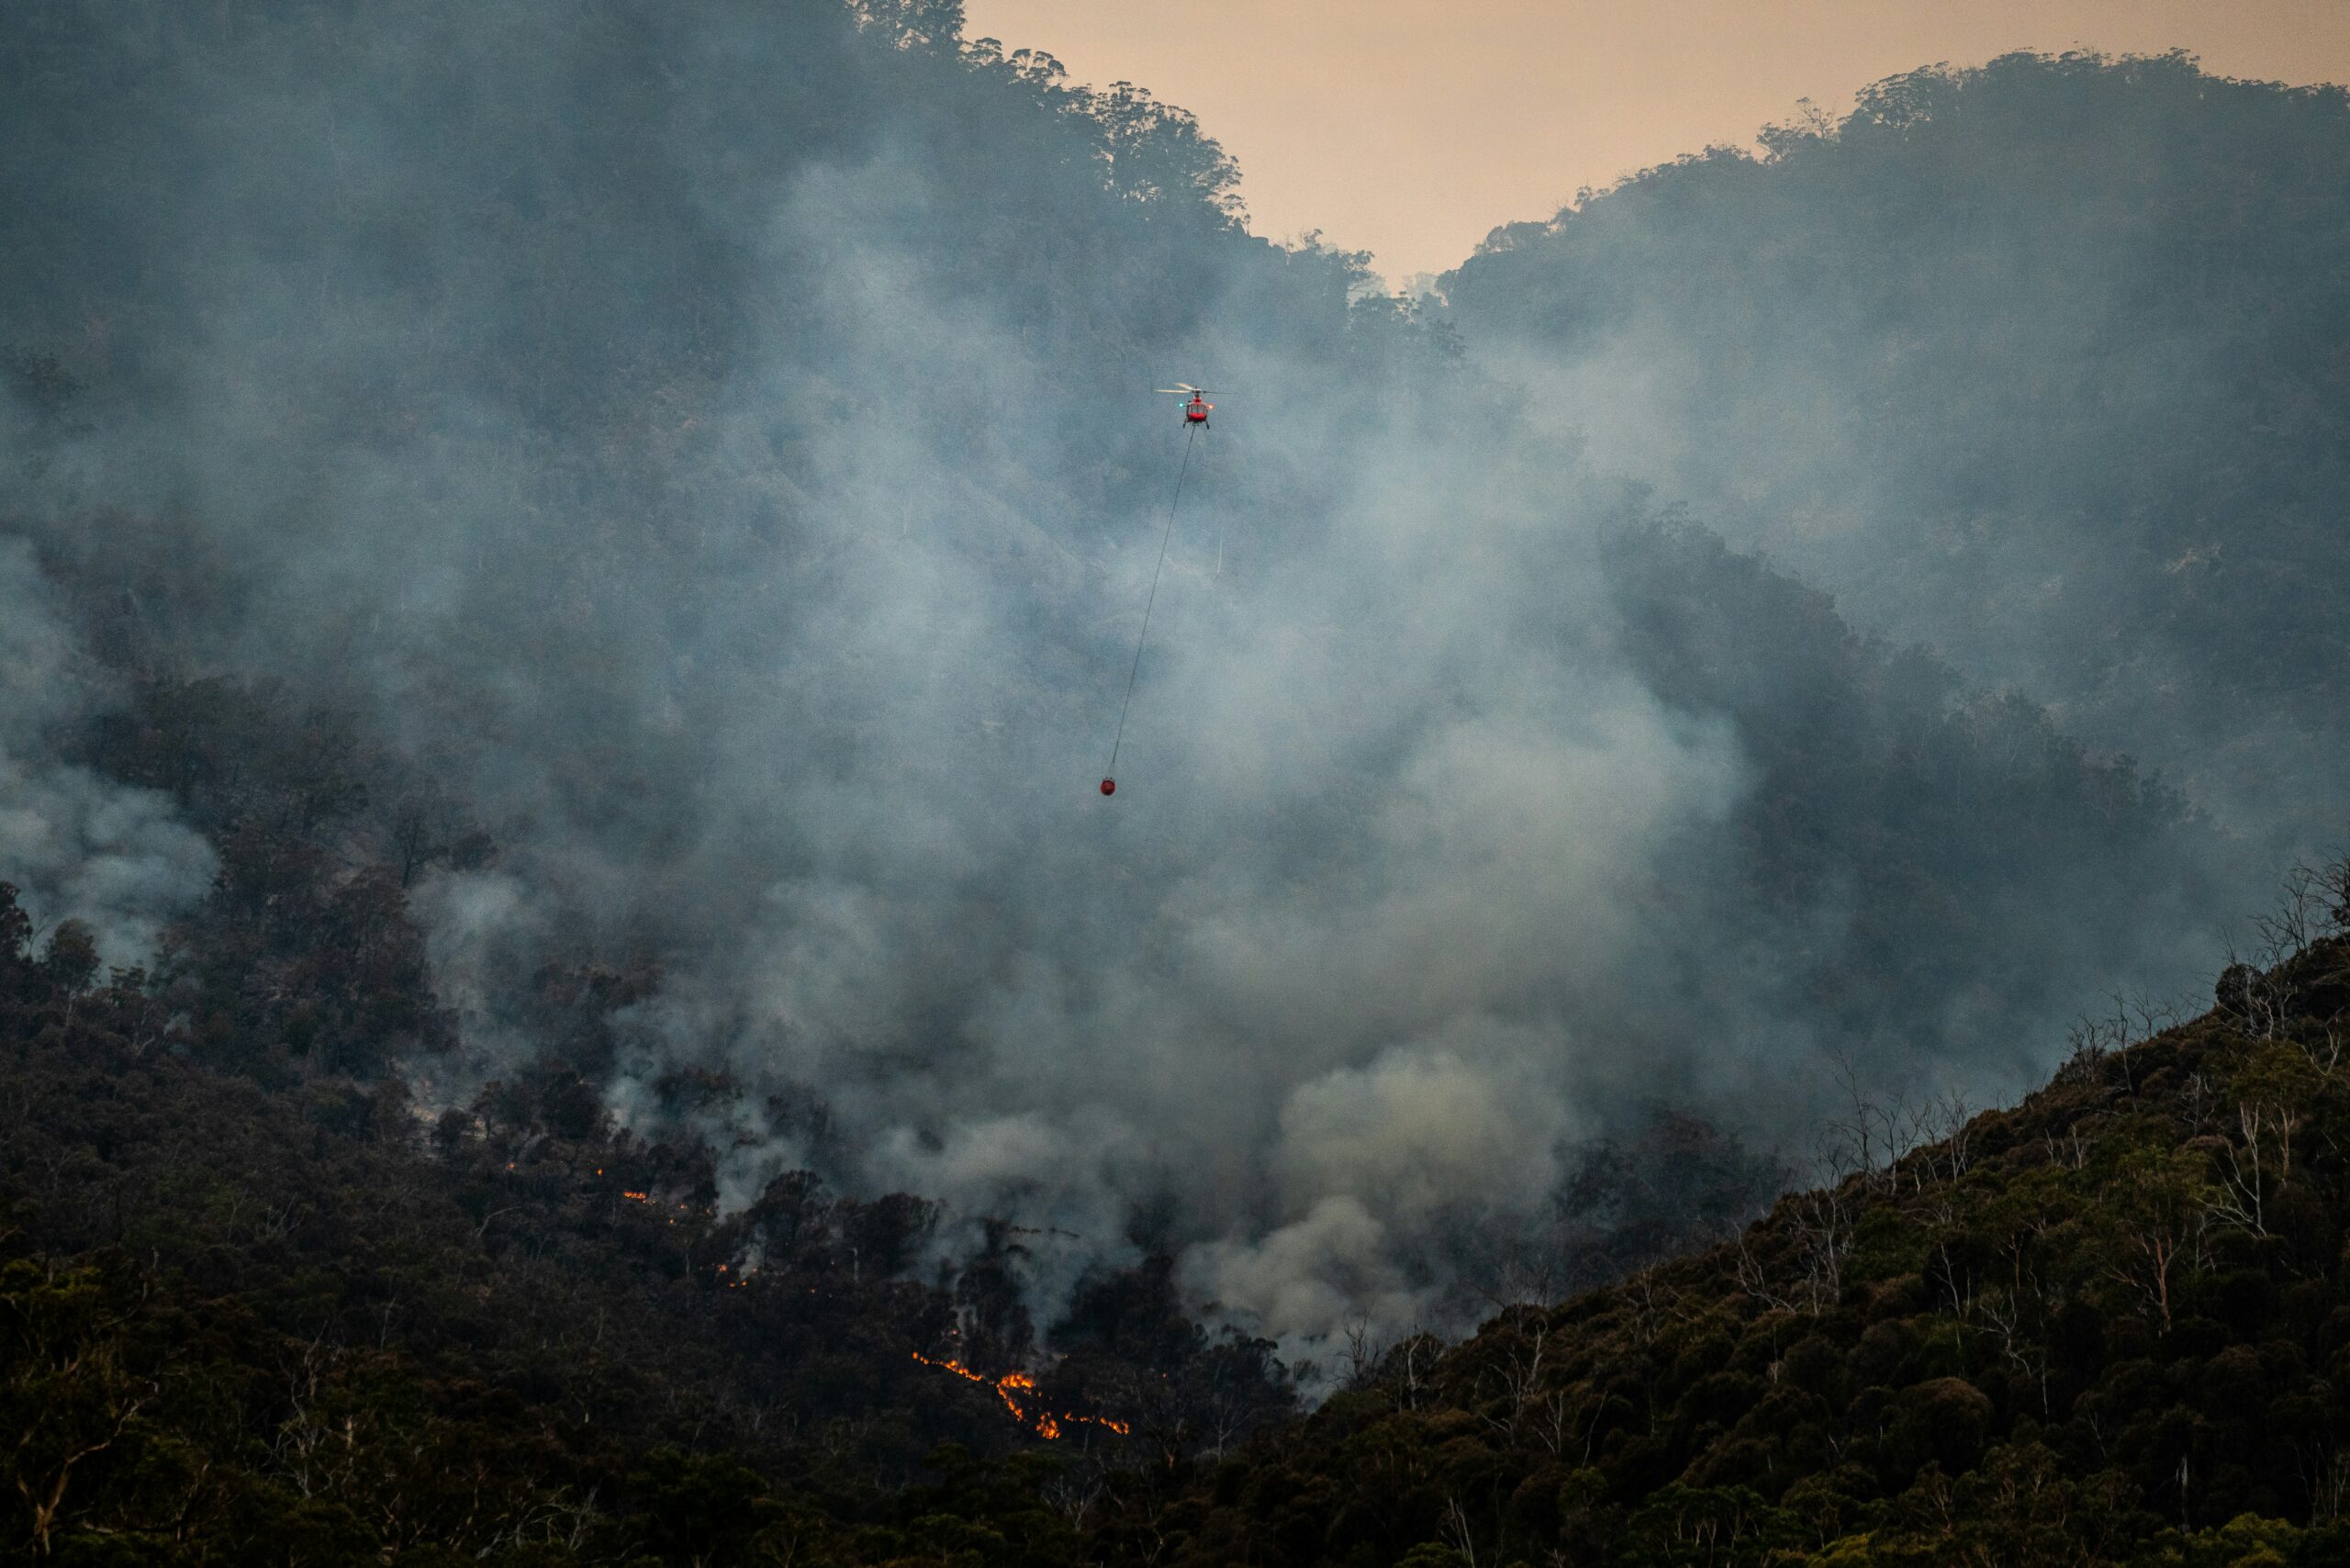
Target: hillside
[2108,1325]
[2104,1327]
[656,511]
[568,992]
[2044,363]
[297,1322]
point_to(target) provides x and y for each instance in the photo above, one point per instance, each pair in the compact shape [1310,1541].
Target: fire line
[1043,1422]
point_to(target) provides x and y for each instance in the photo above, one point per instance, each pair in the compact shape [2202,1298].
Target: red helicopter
[1195,412]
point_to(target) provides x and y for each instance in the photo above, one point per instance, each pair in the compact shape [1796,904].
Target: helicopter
[1195,412]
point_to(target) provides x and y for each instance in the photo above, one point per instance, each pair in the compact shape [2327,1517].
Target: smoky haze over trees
[2045,363]
[604,544]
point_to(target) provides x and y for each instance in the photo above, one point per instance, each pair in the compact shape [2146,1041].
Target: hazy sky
[1410,128]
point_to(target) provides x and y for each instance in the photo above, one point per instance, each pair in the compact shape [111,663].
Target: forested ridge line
[552,611]
[658,502]
[2110,1324]
[2039,360]
[301,1322]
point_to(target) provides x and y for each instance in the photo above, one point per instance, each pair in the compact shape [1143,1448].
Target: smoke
[2037,362]
[727,446]
[77,845]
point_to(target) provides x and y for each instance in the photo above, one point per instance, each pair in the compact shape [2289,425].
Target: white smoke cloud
[792,668]
[77,845]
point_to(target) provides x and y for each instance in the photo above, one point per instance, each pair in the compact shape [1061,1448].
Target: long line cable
[1112,771]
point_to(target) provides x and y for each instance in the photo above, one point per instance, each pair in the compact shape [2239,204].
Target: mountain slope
[2043,363]
[308,1325]
[2109,1326]
[614,544]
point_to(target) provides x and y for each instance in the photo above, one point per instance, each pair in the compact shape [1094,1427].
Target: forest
[2028,363]
[254,1312]
[565,994]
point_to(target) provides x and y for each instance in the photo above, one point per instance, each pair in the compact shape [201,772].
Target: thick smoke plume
[720,440]
[2039,362]
[76,844]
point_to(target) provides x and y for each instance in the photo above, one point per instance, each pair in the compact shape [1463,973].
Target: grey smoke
[2056,387]
[787,651]
[77,845]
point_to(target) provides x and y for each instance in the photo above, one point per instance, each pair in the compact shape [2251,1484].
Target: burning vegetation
[1015,1387]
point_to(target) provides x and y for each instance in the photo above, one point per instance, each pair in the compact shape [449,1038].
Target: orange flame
[1045,1424]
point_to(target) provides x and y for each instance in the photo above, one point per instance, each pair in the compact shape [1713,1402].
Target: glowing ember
[1045,1424]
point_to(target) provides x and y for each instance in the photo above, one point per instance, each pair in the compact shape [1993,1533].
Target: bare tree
[1868,1135]
[1958,1284]
[1457,1531]
[1073,1495]
[1362,1352]
[1407,1369]
[1755,1280]
[1823,1224]
[1519,1374]
[2094,1041]
[1941,1133]
[2002,1314]
[2069,1150]
[2159,1217]
[2325,1472]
